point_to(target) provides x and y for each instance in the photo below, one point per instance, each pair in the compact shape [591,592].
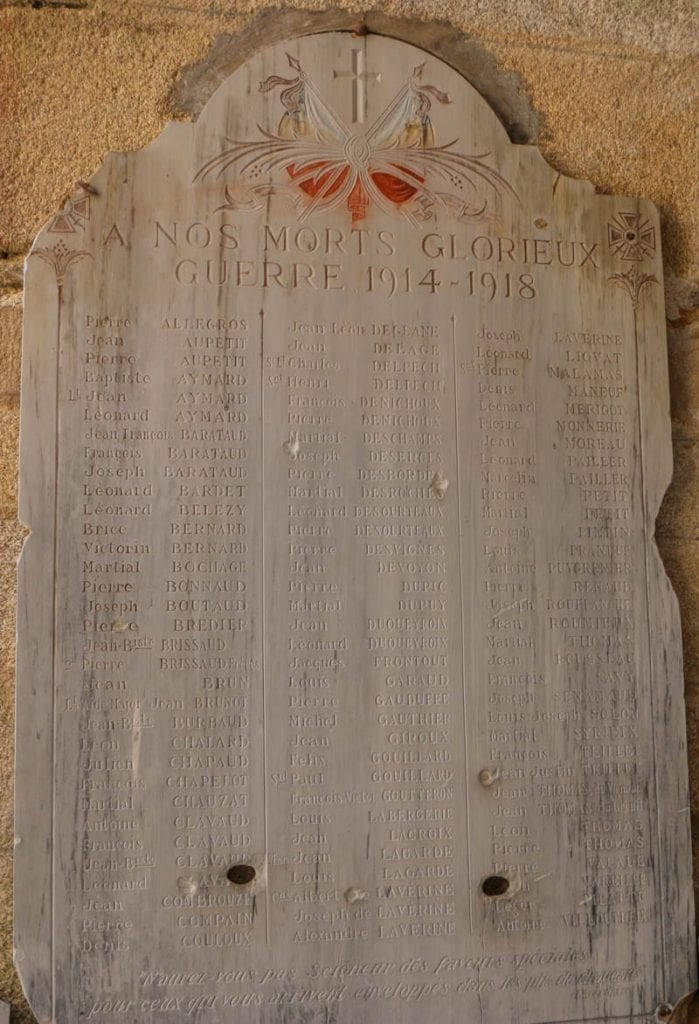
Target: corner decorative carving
[632,239]
[634,283]
[74,215]
[60,257]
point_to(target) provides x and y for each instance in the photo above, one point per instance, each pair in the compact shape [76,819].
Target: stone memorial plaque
[349,674]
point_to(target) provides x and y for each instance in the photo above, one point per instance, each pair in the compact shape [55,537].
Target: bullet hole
[241,874]
[495,885]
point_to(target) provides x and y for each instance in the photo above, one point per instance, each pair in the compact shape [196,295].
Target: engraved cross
[359,76]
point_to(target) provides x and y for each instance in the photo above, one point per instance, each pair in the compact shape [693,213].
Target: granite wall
[606,88]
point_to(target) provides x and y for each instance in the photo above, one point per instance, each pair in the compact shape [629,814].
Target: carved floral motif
[60,257]
[395,164]
[634,282]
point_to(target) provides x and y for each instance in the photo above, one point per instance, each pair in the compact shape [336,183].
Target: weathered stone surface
[692,699]
[9,417]
[681,558]
[683,350]
[681,301]
[11,273]
[679,514]
[10,340]
[72,80]
[11,535]
[356,682]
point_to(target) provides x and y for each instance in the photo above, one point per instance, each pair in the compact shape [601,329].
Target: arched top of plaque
[359,125]
[349,678]
[362,127]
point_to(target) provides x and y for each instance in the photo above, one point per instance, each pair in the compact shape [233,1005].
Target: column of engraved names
[405,520]
[207,650]
[591,615]
[502,487]
[110,396]
[307,646]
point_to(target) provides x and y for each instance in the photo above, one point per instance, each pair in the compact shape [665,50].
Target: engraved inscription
[348,689]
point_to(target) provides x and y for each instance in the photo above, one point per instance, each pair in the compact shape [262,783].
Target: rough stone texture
[10,340]
[11,535]
[645,143]
[692,699]
[9,430]
[80,83]
[683,354]
[693,738]
[12,274]
[681,558]
[679,516]
[610,84]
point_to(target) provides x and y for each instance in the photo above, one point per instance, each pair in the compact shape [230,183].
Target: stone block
[588,135]
[679,513]
[77,83]
[9,441]
[11,272]
[10,341]
[692,703]
[683,359]
[681,558]
[11,535]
